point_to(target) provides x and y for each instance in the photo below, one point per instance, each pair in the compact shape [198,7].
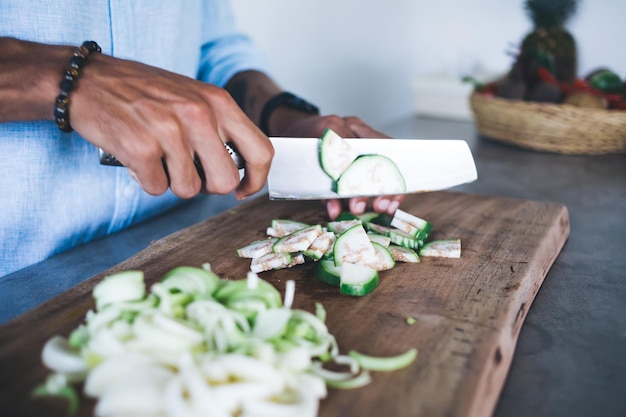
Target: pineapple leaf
[550,13]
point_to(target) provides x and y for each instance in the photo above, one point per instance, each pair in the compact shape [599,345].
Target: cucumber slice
[321,245]
[380,239]
[382,260]
[329,273]
[353,246]
[340,226]
[409,228]
[402,238]
[371,174]
[257,248]
[376,228]
[447,248]
[297,241]
[283,227]
[402,254]
[403,217]
[335,154]
[357,279]
[275,261]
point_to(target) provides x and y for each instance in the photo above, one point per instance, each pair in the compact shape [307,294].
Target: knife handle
[108,159]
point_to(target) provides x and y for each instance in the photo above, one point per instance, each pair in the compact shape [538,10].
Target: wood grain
[468,311]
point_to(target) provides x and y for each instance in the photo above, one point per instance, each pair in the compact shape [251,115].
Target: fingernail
[393,206]
[331,210]
[383,204]
[359,207]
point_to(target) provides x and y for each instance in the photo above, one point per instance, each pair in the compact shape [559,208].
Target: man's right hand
[146,116]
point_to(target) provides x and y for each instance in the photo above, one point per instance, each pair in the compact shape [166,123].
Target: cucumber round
[353,246]
[357,279]
[335,154]
[371,174]
[329,273]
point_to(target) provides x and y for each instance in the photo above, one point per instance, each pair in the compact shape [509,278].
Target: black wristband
[284,99]
[62,102]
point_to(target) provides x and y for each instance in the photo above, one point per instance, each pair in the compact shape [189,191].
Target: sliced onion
[59,356]
[290,291]
[139,393]
[112,370]
[271,323]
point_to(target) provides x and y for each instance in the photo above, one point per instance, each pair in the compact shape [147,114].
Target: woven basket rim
[550,127]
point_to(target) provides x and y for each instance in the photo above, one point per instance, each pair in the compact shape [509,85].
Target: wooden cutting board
[468,311]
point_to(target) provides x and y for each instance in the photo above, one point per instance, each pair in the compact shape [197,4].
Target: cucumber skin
[346,180]
[328,273]
[359,290]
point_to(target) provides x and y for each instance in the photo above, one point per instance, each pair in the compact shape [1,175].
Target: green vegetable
[357,280]
[607,81]
[393,363]
[371,174]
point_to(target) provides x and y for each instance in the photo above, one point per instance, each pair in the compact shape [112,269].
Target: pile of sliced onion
[200,345]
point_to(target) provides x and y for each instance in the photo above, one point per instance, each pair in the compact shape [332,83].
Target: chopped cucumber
[402,254]
[329,273]
[380,239]
[383,259]
[402,238]
[271,261]
[283,227]
[340,226]
[353,246]
[376,228]
[357,279]
[409,228]
[371,174]
[448,248]
[411,219]
[320,246]
[257,248]
[297,241]
[335,154]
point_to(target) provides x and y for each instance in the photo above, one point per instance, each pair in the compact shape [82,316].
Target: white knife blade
[427,165]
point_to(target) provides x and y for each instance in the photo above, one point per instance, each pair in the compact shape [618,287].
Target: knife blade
[426,165]
[296,173]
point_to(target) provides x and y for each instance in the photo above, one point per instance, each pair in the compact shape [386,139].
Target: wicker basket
[550,127]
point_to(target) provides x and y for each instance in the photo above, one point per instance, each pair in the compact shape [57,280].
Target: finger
[144,161]
[178,160]
[357,205]
[362,130]
[387,204]
[257,152]
[149,174]
[220,173]
[204,139]
[333,208]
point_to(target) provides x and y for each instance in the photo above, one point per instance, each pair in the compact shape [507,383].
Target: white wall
[360,56]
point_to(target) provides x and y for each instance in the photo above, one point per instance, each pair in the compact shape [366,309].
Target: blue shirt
[54,194]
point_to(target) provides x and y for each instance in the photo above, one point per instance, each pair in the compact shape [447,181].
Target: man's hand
[347,127]
[148,118]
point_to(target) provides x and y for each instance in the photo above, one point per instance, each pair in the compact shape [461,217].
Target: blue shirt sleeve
[225,50]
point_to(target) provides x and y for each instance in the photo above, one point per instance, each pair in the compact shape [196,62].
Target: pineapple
[549,45]
[547,55]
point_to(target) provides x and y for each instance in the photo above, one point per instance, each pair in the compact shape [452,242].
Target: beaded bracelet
[62,102]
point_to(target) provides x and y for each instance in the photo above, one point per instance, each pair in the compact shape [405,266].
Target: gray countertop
[570,358]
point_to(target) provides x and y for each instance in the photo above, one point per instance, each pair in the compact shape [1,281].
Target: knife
[296,173]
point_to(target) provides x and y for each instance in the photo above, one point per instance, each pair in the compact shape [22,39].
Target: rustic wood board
[469,311]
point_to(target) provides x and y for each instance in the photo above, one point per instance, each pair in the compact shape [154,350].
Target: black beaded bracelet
[62,102]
